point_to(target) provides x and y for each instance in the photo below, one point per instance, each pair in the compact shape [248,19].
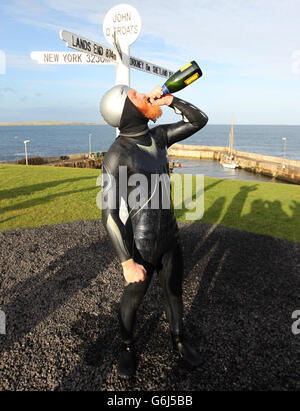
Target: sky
[248,50]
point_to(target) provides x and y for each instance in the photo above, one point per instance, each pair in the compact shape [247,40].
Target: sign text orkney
[142,65]
[88,46]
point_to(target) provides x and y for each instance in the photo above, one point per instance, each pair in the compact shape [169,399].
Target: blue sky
[249,52]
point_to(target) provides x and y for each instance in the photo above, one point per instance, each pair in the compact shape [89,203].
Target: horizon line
[47,122]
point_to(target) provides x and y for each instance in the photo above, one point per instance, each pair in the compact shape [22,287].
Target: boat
[228,161]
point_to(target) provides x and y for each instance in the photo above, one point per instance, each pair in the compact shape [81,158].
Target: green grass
[258,207]
[32,196]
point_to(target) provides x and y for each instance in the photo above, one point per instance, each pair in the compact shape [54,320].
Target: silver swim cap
[112,104]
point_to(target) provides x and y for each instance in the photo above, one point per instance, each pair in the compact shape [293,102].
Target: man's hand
[161,101]
[133,272]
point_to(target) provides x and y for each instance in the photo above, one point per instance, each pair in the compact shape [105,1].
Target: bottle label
[165,90]
[186,67]
[191,79]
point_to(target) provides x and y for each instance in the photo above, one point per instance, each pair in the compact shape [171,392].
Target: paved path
[60,288]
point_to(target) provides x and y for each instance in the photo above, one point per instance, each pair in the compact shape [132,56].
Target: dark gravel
[60,288]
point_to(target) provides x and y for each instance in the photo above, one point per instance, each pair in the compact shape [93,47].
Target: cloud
[21,62]
[6,90]
[250,34]
[31,6]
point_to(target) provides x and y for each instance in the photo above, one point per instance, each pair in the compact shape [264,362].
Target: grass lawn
[32,196]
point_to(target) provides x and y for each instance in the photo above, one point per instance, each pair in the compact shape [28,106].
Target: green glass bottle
[182,78]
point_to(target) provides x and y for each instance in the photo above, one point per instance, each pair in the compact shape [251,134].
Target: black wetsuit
[149,236]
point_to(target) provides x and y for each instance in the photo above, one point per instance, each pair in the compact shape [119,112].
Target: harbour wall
[277,167]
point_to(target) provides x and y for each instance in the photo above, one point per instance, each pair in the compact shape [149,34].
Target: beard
[151,111]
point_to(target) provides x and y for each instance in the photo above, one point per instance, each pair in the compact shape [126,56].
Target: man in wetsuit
[147,238]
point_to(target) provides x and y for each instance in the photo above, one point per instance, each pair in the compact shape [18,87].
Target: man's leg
[131,299]
[170,272]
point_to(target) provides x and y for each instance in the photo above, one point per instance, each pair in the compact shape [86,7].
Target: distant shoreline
[52,123]
[87,123]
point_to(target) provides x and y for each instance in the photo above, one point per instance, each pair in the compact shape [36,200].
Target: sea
[57,140]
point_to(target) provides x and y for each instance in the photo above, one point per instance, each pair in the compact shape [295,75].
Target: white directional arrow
[147,67]
[87,46]
[62,57]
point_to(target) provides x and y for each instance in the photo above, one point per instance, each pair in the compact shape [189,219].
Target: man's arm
[110,213]
[121,237]
[193,120]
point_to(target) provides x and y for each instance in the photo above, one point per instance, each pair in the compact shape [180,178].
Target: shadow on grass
[31,189]
[7,219]
[39,201]
[265,217]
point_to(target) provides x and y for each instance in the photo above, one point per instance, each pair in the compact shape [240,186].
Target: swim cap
[112,104]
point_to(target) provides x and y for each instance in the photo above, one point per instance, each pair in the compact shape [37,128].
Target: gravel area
[60,289]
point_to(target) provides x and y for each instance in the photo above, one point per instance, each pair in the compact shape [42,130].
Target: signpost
[121,27]
[120,57]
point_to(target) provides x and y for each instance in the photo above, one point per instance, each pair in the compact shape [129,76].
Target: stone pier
[277,167]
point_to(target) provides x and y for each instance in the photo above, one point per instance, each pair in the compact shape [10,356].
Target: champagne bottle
[182,78]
